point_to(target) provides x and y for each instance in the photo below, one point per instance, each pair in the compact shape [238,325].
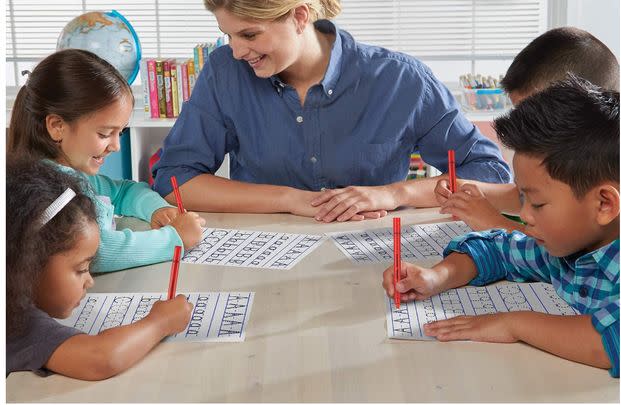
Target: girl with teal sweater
[71,112]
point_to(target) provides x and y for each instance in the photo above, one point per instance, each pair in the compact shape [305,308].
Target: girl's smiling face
[86,142]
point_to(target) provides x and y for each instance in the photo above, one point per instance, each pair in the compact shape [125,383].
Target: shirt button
[313,159]
[330,92]
[299,119]
[583,291]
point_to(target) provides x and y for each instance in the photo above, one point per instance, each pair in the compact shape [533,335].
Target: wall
[599,17]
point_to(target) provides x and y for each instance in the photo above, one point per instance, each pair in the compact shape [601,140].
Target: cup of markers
[480,93]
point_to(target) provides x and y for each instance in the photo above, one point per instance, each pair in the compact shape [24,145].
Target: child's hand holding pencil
[416,282]
[189,225]
[171,316]
[163,217]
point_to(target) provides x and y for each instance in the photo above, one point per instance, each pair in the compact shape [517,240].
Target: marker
[174,273]
[451,171]
[396,245]
[173,180]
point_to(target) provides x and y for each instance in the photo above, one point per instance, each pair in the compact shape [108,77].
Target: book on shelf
[191,75]
[145,89]
[185,89]
[168,89]
[161,94]
[168,83]
[175,88]
[151,86]
[179,88]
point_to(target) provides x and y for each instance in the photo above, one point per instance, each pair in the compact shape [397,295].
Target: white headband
[55,207]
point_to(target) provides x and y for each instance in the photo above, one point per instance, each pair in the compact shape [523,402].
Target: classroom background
[317,331]
[454,38]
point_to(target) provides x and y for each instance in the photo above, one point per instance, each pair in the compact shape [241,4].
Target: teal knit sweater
[123,249]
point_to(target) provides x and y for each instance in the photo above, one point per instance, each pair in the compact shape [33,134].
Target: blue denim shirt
[373,108]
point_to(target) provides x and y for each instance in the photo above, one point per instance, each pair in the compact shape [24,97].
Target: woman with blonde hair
[315,123]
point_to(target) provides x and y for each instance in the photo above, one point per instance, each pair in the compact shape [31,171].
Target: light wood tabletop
[317,333]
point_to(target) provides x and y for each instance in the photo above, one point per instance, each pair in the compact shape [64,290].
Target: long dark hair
[31,186]
[71,83]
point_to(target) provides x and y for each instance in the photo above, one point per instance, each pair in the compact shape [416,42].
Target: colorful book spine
[206,50]
[152,85]
[144,79]
[161,91]
[196,56]
[201,58]
[168,89]
[179,87]
[174,87]
[191,74]
[185,84]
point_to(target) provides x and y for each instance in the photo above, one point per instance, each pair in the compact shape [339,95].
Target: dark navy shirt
[40,338]
[373,108]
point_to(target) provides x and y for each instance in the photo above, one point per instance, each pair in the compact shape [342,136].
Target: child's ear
[55,125]
[608,204]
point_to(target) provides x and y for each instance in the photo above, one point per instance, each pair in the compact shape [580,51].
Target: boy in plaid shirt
[566,142]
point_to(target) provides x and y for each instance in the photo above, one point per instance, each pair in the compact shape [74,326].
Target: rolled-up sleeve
[499,255]
[606,322]
[443,126]
[198,141]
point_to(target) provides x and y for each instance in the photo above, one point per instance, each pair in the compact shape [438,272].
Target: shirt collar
[606,258]
[277,83]
[333,72]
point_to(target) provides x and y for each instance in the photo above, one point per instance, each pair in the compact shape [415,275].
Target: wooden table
[317,333]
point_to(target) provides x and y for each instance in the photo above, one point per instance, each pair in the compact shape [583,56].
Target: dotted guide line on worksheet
[239,248]
[216,316]
[417,242]
[407,321]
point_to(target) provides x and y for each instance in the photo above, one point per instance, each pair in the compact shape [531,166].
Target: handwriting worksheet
[417,242]
[216,316]
[407,321]
[267,250]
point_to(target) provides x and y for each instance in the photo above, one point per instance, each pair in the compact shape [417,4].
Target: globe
[108,35]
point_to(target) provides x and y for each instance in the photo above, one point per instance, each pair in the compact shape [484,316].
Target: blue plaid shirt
[588,282]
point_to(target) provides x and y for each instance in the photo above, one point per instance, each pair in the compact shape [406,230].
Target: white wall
[599,17]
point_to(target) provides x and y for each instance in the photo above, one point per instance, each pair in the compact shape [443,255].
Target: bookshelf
[147,136]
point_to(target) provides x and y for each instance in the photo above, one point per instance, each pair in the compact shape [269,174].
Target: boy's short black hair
[573,126]
[553,54]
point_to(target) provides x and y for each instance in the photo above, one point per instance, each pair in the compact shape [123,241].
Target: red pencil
[174,273]
[451,171]
[396,244]
[173,180]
